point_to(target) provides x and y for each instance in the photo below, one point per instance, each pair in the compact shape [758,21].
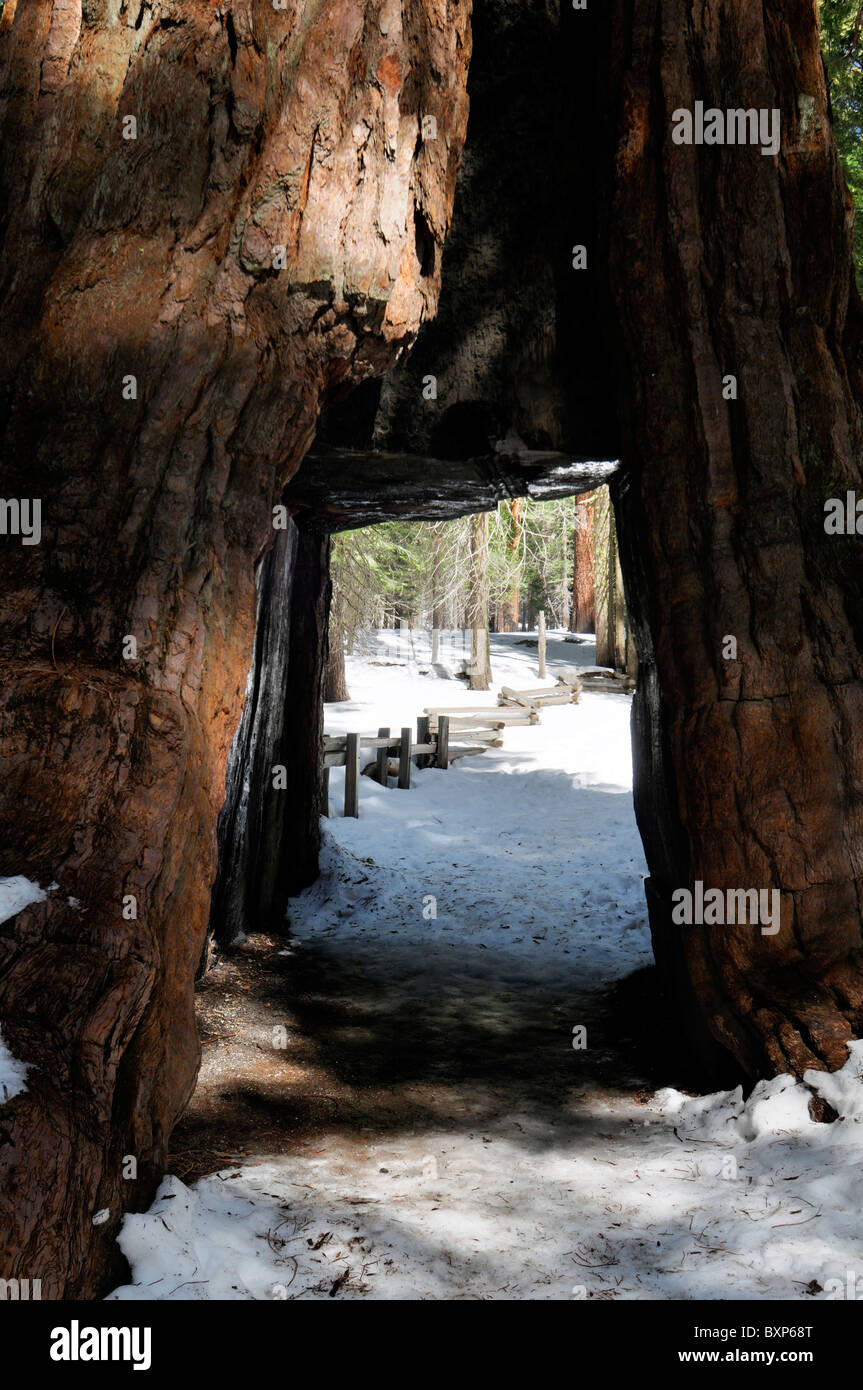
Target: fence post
[540,646]
[383,759]
[443,740]
[325,793]
[422,737]
[352,776]
[405,759]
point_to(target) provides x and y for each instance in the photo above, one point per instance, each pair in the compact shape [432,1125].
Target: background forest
[842,41]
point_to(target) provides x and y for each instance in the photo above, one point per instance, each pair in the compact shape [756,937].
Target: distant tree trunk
[564,611]
[608,587]
[515,513]
[582,619]
[601,548]
[437,604]
[616,603]
[748,721]
[480,657]
[335,681]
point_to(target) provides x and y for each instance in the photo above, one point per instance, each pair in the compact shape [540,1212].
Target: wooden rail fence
[475,728]
[429,749]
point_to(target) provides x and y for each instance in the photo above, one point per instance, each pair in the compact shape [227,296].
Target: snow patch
[12,1074]
[695,1197]
[17,893]
[202,1244]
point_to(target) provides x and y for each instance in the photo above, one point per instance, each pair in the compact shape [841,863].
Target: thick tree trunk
[162,380]
[583,619]
[749,760]
[159,164]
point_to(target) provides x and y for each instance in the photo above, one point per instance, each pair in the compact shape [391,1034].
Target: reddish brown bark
[153,257]
[749,771]
[582,568]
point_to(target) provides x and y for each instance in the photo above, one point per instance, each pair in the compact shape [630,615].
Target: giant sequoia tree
[161,377]
[217,214]
[723,262]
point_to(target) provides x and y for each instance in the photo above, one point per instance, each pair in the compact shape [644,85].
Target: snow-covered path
[529,851]
[460,935]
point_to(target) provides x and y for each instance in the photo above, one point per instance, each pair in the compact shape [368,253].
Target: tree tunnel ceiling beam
[342,489]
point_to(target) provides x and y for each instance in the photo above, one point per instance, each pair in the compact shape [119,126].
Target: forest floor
[391,1104]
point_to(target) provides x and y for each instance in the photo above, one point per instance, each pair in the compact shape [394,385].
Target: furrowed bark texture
[250,797]
[583,587]
[749,772]
[516,347]
[153,257]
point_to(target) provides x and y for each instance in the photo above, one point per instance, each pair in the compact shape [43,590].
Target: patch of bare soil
[298,1050]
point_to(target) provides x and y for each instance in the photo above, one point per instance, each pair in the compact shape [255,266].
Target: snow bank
[16,894]
[775,1107]
[221,1240]
[480,846]
[786,1170]
[12,1074]
[491,1195]
[708,1197]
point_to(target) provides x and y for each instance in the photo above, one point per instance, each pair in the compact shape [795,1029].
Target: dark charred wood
[342,489]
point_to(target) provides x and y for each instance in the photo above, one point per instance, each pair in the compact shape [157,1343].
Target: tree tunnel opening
[512,388]
[457,924]
[509,390]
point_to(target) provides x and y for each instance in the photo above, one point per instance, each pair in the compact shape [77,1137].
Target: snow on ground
[526,1179]
[489,838]
[15,894]
[12,1074]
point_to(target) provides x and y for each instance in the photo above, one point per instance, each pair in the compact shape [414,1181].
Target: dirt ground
[365,1059]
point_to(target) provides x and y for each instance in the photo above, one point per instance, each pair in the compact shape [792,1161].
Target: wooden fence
[476,729]
[431,748]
